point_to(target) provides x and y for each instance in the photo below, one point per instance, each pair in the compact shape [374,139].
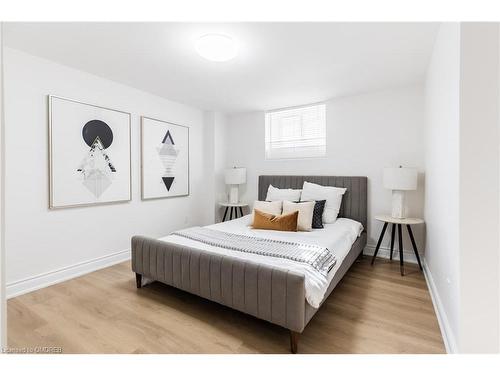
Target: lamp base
[233,194]
[398,204]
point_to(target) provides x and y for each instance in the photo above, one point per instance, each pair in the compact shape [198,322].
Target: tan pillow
[306,210]
[287,223]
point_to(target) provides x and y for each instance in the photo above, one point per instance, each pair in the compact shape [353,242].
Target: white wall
[209,163]
[479,186]
[220,160]
[442,178]
[365,133]
[215,161]
[462,185]
[45,245]
[3,312]
[499,185]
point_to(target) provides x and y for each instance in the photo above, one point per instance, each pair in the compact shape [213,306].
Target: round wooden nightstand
[233,207]
[397,223]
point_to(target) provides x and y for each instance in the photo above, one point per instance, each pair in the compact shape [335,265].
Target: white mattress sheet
[338,237]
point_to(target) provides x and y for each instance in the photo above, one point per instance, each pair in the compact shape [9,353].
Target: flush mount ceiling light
[216,47]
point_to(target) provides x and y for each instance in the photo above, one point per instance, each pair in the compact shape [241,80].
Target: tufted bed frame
[268,293]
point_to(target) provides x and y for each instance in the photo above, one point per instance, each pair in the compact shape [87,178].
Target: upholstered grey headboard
[354,201]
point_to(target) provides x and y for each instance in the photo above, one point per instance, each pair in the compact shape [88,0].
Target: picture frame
[164,159]
[89,154]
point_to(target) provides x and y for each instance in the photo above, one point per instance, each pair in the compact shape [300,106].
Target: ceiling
[278,64]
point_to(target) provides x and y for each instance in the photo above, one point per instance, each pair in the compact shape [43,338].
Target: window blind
[296,132]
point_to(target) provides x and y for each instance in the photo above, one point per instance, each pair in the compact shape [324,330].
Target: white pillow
[275,194]
[306,210]
[332,195]
[273,208]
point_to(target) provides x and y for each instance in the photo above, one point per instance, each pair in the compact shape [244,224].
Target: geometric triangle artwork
[168,155]
[168,139]
[168,182]
[97,182]
[97,169]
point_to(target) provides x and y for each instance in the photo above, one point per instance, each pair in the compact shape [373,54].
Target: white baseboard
[385,252]
[444,325]
[16,288]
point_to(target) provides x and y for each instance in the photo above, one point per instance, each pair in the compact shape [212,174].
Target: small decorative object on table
[232,207]
[398,222]
[234,177]
[398,180]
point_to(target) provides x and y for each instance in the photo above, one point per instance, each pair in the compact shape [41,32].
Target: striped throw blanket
[318,257]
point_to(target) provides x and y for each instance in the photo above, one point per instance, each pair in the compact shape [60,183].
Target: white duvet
[338,237]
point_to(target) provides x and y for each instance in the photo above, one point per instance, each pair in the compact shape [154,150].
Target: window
[296,132]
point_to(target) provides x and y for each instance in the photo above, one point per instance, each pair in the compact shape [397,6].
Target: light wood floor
[372,310]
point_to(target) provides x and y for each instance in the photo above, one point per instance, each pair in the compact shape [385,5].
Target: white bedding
[338,236]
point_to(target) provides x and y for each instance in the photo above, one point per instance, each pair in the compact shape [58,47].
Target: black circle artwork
[97,128]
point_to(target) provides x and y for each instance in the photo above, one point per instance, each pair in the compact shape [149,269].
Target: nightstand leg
[379,242]
[414,245]
[393,232]
[225,213]
[241,211]
[400,243]
[231,213]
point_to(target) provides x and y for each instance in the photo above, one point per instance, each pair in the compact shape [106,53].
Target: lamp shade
[235,176]
[400,178]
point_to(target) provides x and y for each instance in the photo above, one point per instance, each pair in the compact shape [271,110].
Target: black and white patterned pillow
[319,207]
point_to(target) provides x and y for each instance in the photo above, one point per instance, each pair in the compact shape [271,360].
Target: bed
[270,289]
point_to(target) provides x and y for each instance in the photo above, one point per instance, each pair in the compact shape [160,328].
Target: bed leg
[138,280]
[360,257]
[294,339]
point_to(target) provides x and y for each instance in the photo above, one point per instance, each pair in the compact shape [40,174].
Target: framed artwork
[165,159]
[89,154]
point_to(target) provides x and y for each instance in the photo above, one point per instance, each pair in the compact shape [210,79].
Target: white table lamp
[234,177]
[399,180]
